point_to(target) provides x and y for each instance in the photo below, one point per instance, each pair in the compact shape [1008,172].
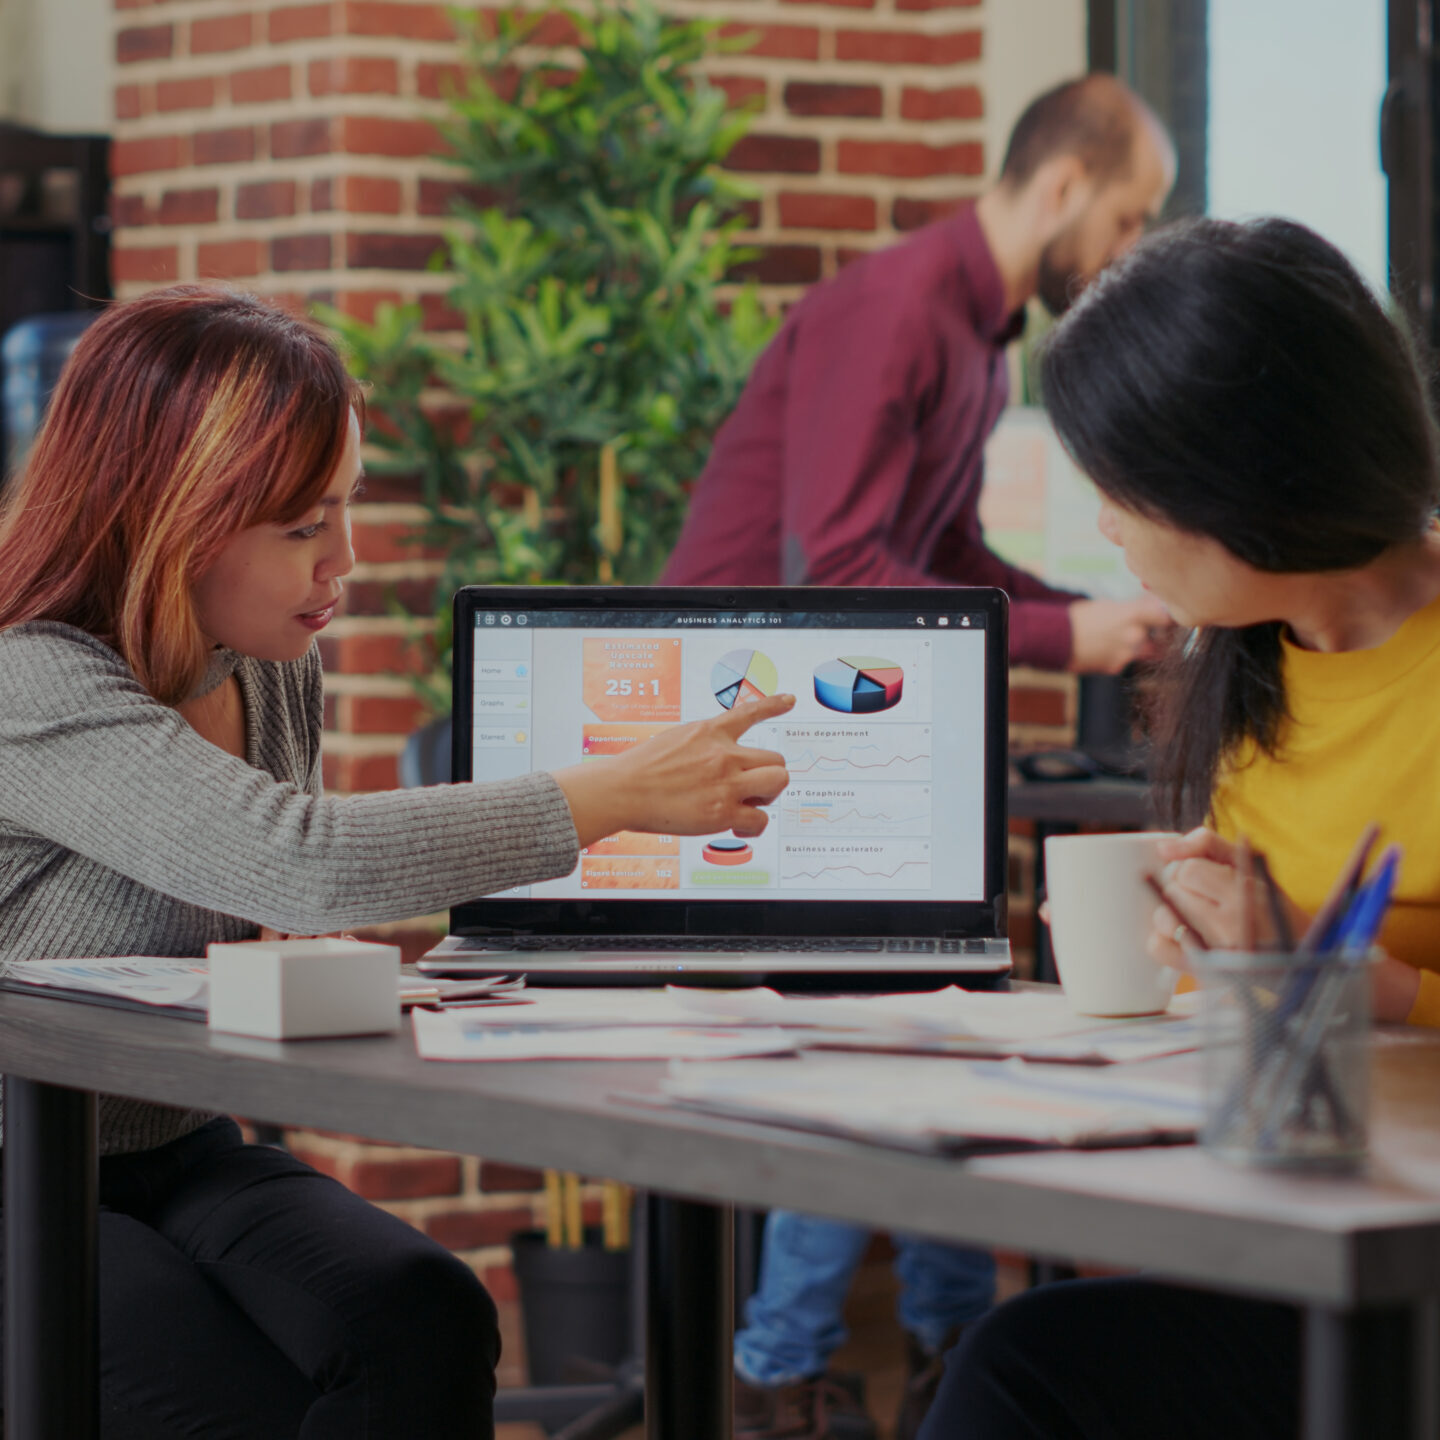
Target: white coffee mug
[1100,917]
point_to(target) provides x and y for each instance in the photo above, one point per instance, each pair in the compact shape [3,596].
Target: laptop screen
[890,747]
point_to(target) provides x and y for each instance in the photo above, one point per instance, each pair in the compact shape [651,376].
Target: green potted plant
[601,345]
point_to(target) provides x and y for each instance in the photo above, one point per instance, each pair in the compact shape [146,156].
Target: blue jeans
[795,1318]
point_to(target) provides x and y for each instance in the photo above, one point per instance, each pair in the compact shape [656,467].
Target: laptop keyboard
[863,945]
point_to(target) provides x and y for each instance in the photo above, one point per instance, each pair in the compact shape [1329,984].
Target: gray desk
[1351,1250]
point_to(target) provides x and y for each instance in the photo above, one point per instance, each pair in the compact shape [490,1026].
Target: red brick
[781,265]
[911,160]
[847,4]
[196,93]
[474,1229]
[382,543]
[935,4]
[439,82]
[300,22]
[129,102]
[300,252]
[387,654]
[154,152]
[322,195]
[260,86]
[375,597]
[859,101]
[374,135]
[144,42]
[907,47]
[402,1178]
[354,75]
[234,145]
[370,195]
[128,211]
[440,197]
[781,154]
[361,773]
[403,21]
[380,715]
[741,89]
[496,1176]
[1037,705]
[265,200]
[848,254]
[291,139]
[220,33]
[190,207]
[227,259]
[437,314]
[826,212]
[500,1281]
[151,262]
[778,42]
[554,29]
[959,102]
[907,214]
[391,252]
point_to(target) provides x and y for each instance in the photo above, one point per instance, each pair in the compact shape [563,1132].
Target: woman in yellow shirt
[1259,430]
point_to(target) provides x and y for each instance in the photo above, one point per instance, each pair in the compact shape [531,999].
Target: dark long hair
[1241,382]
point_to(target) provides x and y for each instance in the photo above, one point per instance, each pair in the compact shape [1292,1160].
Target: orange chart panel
[615,739]
[629,842]
[629,872]
[632,679]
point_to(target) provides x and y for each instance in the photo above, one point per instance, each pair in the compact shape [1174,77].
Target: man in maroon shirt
[855,457]
[856,453]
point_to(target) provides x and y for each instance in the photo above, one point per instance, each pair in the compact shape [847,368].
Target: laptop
[884,863]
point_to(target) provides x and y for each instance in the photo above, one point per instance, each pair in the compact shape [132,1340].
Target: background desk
[1341,1247]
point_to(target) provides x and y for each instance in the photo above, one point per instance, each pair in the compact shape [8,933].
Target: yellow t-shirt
[1362,744]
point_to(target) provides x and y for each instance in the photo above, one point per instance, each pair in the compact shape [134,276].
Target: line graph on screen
[852,752]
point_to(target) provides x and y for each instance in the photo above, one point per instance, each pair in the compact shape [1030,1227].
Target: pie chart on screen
[743,676]
[859,684]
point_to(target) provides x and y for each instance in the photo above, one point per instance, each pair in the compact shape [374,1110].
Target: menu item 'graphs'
[743,676]
[859,684]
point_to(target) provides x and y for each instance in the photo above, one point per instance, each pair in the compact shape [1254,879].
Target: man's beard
[1059,282]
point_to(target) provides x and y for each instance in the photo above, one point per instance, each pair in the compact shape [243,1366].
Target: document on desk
[132,980]
[940,1106]
[952,1021]
[460,1034]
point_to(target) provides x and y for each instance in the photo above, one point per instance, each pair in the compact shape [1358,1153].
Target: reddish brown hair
[180,419]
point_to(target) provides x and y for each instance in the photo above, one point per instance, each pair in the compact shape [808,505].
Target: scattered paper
[950,1106]
[149,979]
[464,1035]
[953,1021]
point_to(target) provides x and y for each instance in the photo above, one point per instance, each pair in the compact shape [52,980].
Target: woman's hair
[180,419]
[1241,382]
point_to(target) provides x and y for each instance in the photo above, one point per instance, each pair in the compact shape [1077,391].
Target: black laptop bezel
[520,916]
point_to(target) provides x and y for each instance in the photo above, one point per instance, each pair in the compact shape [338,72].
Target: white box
[293,989]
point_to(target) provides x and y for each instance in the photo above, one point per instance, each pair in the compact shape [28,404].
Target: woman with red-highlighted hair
[177,540]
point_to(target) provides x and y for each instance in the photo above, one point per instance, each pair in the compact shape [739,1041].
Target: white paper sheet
[466,1035]
[929,1104]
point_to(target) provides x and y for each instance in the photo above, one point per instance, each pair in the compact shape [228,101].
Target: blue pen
[1356,932]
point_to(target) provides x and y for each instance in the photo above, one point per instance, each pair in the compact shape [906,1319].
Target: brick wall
[289,148]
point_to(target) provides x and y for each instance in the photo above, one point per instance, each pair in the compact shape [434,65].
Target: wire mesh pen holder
[1286,1058]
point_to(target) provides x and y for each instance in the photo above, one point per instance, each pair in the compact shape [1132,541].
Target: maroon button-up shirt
[856,452]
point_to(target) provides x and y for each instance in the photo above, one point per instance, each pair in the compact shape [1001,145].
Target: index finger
[737,721]
[1200,844]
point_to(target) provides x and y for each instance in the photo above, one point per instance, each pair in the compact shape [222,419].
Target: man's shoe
[926,1371]
[821,1408]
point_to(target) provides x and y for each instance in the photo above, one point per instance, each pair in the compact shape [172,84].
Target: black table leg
[1371,1372]
[690,1319]
[52,1339]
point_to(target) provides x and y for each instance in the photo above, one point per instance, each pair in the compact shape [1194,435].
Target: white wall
[55,64]
[1030,45]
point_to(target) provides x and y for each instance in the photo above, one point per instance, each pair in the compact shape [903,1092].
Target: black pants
[1125,1359]
[244,1296]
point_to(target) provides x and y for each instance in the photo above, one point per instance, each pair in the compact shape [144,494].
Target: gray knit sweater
[122,832]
